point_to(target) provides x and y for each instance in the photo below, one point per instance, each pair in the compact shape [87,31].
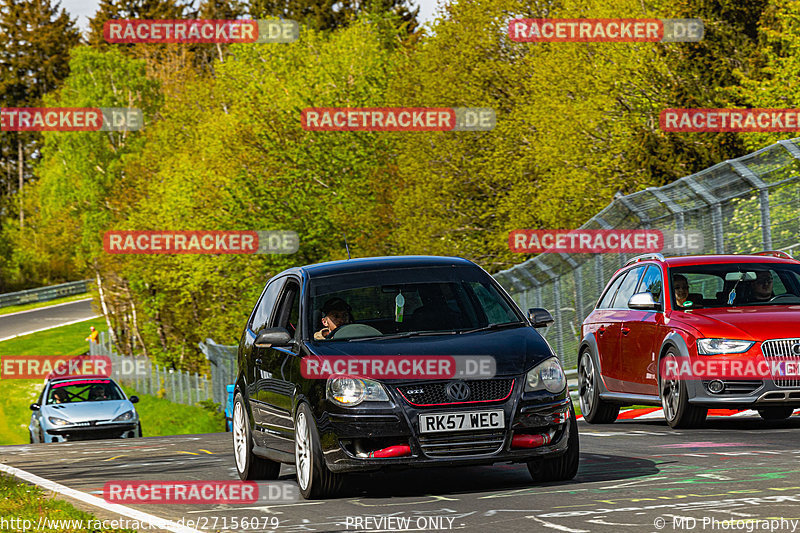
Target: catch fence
[742,205]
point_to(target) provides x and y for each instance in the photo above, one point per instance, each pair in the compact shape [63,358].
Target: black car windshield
[408,301]
[83,390]
[734,285]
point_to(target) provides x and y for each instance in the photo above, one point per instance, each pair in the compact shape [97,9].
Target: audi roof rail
[645,257]
[776,253]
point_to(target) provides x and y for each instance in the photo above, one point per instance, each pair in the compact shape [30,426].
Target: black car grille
[781,350]
[435,393]
[462,444]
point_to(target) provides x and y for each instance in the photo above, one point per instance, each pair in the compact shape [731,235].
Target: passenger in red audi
[761,288]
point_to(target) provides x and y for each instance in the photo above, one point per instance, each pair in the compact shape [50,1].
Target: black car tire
[776,413]
[565,466]
[316,482]
[30,436]
[593,408]
[139,429]
[248,465]
[674,395]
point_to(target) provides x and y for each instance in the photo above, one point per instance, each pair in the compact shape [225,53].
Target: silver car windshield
[83,390]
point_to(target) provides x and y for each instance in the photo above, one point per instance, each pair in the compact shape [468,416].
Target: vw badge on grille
[458,391]
[796,349]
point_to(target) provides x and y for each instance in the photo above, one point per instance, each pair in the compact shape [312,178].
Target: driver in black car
[335,313]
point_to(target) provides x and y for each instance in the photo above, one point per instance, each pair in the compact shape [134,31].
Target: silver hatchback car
[83,408]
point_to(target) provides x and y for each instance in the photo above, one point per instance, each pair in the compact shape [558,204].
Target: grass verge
[21,502]
[162,417]
[159,417]
[37,305]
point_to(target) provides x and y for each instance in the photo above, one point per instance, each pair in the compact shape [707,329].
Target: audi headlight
[547,375]
[720,346]
[127,415]
[349,391]
[58,421]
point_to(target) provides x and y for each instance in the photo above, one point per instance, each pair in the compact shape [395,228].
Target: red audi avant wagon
[693,332]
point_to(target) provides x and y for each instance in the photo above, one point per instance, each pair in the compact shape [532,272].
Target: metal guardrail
[44,294]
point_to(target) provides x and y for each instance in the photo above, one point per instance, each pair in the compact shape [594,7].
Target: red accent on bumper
[400,450]
[530,441]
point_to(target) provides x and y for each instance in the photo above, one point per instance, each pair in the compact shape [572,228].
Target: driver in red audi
[335,313]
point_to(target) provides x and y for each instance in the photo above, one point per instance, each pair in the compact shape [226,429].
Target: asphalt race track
[45,317]
[635,475]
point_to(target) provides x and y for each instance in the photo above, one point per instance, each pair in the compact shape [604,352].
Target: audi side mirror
[643,301]
[269,337]
[35,407]
[540,317]
[134,399]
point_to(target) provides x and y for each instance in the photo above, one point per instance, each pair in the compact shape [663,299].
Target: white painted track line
[50,327]
[45,307]
[162,523]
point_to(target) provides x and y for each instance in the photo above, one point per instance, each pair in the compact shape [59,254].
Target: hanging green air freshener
[399,303]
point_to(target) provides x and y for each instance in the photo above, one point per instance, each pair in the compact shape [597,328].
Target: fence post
[180,386]
[559,322]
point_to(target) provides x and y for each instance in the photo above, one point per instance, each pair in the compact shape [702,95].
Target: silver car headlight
[720,346]
[58,421]
[127,415]
[547,375]
[349,391]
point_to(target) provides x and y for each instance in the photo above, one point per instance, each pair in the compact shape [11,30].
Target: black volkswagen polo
[396,308]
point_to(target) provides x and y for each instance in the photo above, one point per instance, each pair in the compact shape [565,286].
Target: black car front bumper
[344,432]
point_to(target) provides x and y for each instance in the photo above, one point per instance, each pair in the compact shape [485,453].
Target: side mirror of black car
[269,337]
[134,399]
[643,301]
[540,317]
[35,407]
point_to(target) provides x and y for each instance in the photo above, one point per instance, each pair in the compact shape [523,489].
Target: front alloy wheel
[675,399]
[315,480]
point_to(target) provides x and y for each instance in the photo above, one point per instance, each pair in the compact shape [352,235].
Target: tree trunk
[136,330]
[20,164]
[104,307]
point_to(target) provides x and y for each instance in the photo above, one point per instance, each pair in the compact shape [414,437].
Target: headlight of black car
[349,391]
[547,375]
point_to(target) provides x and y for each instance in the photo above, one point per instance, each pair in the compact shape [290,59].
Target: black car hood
[516,350]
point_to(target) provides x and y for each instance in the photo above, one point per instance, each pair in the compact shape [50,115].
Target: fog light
[716,386]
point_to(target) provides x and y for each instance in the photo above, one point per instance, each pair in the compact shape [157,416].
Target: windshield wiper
[404,335]
[493,326]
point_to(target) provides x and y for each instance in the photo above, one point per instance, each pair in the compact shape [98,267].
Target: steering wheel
[348,331]
[783,296]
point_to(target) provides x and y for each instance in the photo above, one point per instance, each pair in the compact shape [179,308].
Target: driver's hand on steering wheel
[322,334]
